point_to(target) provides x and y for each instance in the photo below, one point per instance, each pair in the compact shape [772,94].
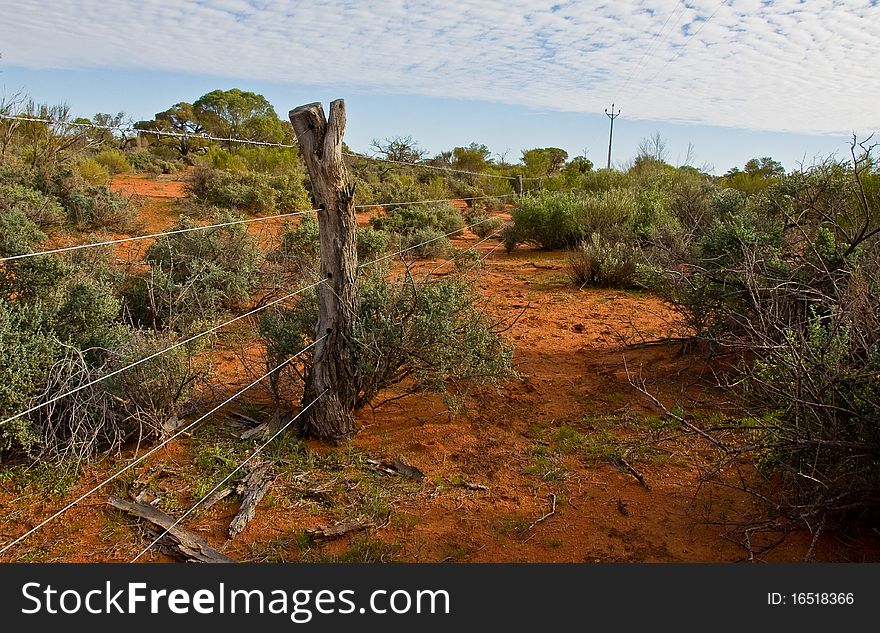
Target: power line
[256,452]
[156,448]
[687,41]
[164,350]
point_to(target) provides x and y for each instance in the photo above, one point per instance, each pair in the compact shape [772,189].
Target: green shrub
[248,191]
[602,264]
[147,161]
[93,172]
[27,351]
[26,280]
[114,161]
[427,243]
[42,209]
[196,275]
[434,335]
[548,220]
[485,226]
[99,208]
[371,243]
[441,217]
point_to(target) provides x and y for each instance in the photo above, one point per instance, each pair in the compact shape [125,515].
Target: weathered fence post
[518,185]
[333,366]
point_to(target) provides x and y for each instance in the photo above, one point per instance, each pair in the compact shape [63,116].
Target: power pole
[611,115]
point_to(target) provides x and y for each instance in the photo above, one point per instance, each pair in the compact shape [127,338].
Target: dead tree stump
[333,363]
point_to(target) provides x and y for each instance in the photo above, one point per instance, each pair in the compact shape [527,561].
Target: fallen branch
[178,542]
[640,387]
[252,490]
[473,486]
[395,467]
[339,530]
[624,465]
[548,515]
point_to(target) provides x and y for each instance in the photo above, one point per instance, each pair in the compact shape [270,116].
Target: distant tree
[654,147]
[579,164]
[765,167]
[474,157]
[240,114]
[544,162]
[178,118]
[443,159]
[400,148]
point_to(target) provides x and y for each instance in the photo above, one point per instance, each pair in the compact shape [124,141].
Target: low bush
[441,217]
[426,243]
[41,209]
[114,161]
[602,264]
[431,336]
[249,191]
[93,172]
[484,226]
[195,276]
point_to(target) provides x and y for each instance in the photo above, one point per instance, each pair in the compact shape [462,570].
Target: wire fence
[227,401]
[249,313]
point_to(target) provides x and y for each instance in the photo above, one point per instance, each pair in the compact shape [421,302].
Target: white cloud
[796,66]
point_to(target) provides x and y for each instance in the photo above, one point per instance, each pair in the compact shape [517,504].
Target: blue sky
[738,78]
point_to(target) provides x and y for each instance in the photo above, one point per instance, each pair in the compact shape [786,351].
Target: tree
[178,118]
[654,147]
[240,114]
[399,148]
[474,157]
[764,167]
[544,162]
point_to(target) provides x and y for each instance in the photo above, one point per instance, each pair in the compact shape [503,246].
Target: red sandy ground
[568,349]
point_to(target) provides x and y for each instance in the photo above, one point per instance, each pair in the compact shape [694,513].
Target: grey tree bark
[333,368]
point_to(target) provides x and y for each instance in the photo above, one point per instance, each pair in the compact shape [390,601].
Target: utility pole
[611,115]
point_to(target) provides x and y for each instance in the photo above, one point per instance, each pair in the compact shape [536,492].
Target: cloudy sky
[792,76]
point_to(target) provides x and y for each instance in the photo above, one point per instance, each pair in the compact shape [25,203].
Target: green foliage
[240,114]
[114,161]
[249,191]
[27,351]
[550,220]
[147,161]
[602,264]
[441,218]
[554,220]
[371,243]
[196,275]
[41,209]
[484,226]
[432,335]
[93,172]
[427,243]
